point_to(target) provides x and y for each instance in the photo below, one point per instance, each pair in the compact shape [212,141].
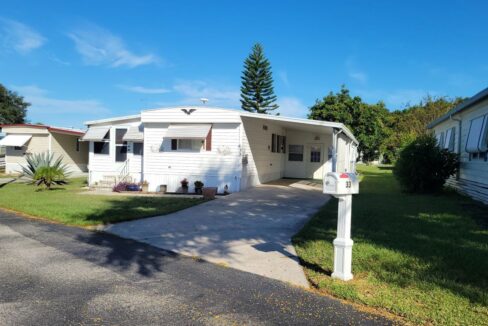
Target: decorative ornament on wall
[224,150]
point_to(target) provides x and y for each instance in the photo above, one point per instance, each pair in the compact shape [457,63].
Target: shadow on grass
[439,237]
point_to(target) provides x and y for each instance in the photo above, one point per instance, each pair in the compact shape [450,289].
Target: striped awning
[96,133]
[188,131]
[134,133]
[15,140]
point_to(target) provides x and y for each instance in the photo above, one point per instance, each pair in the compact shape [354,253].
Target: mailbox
[341,183]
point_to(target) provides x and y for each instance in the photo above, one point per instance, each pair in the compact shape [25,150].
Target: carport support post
[343,243]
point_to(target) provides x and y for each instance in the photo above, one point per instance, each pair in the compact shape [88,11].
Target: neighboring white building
[220,147]
[464,130]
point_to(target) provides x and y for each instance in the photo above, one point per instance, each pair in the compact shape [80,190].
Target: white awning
[188,131]
[96,133]
[15,140]
[134,133]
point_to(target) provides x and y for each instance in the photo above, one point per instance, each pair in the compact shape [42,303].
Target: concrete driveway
[249,230]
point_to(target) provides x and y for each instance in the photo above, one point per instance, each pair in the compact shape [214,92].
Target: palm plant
[44,169]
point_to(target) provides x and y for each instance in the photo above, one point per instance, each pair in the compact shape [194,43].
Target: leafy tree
[366,121]
[257,92]
[43,169]
[406,125]
[423,166]
[13,108]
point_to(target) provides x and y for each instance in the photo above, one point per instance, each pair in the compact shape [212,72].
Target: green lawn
[421,257]
[66,205]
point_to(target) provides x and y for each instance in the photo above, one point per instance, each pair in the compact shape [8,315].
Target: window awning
[134,133]
[96,133]
[15,140]
[188,131]
[474,134]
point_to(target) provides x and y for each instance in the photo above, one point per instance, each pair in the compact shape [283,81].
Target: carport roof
[304,122]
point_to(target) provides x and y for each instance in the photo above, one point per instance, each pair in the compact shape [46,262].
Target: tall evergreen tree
[12,107]
[257,93]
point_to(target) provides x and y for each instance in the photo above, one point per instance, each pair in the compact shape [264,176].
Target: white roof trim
[127,117]
[134,133]
[301,121]
[188,131]
[15,140]
[96,133]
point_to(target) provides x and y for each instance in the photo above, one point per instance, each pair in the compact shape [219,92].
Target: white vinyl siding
[473,173]
[218,167]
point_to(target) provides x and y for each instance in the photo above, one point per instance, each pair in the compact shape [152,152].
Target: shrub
[424,167]
[198,184]
[43,169]
[125,186]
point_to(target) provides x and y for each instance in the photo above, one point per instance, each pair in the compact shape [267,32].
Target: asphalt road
[56,275]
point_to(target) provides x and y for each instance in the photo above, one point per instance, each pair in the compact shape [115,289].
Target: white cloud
[47,109]
[283,75]
[19,37]
[193,90]
[292,107]
[358,76]
[395,99]
[98,46]
[144,90]
[355,73]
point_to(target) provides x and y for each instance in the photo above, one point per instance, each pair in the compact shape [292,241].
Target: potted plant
[184,185]
[198,187]
[144,186]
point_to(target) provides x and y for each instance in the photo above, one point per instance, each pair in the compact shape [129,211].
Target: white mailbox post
[342,186]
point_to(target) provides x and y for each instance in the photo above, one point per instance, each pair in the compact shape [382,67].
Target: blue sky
[84,60]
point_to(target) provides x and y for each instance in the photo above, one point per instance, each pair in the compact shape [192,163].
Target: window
[474,135]
[120,145]
[295,153]
[101,147]
[138,148]
[278,144]
[187,145]
[18,148]
[450,139]
[315,154]
[77,144]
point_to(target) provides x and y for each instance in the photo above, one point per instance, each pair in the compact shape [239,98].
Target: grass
[66,205]
[421,257]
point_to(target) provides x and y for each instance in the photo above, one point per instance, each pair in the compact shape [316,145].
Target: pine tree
[257,93]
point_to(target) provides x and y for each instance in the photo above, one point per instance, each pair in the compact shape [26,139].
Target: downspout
[336,132]
[459,140]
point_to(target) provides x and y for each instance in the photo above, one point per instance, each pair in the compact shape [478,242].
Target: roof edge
[478,97]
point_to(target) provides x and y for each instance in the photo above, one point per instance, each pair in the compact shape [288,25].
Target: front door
[314,159]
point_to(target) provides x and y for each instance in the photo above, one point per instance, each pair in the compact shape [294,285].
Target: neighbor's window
[101,147]
[18,148]
[77,144]
[295,153]
[278,143]
[138,148]
[189,145]
[120,145]
[315,154]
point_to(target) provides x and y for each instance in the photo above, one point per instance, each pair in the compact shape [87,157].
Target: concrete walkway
[249,231]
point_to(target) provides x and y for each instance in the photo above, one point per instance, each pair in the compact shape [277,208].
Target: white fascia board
[128,117]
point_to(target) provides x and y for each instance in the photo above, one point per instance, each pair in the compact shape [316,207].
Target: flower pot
[209,192]
[198,191]
[163,189]
[145,187]
[184,189]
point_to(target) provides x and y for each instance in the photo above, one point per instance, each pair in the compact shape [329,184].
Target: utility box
[341,183]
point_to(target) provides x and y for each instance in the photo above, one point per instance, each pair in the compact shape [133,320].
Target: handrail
[124,171]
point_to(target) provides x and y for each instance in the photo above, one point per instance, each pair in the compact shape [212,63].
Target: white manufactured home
[223,148]
[464,130]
